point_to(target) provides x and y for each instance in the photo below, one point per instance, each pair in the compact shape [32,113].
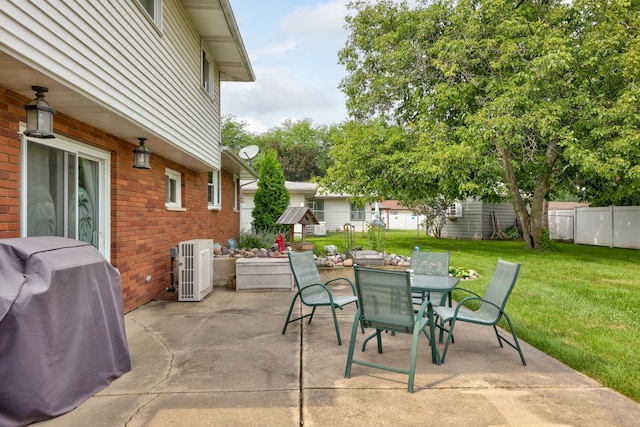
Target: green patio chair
[431,264]
[491,308]
[313,292]
[385,304]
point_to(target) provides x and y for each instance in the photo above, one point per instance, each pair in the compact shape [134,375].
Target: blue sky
[293,47]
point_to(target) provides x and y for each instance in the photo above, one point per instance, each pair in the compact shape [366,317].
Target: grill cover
[62,334]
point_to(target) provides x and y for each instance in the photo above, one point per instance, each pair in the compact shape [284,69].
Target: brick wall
[11,110]
[142,230]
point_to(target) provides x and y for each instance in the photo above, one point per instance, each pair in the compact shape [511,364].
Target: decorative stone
[331,250]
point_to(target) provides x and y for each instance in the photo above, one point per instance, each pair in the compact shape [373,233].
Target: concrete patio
[223,361]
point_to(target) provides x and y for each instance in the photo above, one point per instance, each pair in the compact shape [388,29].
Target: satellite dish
[249,152]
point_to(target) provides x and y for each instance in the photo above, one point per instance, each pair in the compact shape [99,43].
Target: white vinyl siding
[476,223]
[154,82]
[337,212]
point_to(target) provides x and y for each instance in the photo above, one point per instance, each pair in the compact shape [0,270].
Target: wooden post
[292,234]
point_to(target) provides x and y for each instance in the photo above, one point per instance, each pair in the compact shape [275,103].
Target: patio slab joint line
[300,373]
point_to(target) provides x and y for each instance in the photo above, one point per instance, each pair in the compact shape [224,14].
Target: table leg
[435,354]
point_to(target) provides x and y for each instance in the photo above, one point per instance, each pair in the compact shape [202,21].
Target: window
[66,190]
[357,214]
[207,73]
[236,193]
[173,192]
[454,210]
[317,207]
[214,198]
[153,9]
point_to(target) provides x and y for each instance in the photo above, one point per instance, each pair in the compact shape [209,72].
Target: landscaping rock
[331,250]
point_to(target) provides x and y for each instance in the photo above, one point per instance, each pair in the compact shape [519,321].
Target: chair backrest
[430,263]
[384,298]
[499,289]
[305,271]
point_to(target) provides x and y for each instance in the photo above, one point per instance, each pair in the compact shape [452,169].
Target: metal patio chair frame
[491,308]
[313,292]
[385,304]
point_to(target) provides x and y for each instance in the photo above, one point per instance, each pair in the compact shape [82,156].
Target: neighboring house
[470,219]
[117,71]
[333,211]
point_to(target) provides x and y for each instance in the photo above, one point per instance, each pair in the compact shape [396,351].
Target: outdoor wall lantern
[39,115]
[141,155]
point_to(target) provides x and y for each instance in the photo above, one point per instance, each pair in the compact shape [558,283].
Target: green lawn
[579,304]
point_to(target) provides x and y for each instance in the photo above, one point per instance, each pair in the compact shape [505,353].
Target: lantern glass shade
[39,116]
[141,156]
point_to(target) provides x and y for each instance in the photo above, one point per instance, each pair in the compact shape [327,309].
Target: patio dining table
[427,284]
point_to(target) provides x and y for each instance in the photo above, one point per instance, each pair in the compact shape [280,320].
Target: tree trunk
[530,232]
[532,223]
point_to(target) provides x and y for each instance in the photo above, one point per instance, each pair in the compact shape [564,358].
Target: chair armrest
[423,308]
[474,298]
[467,291]
[323,286]
[353,287]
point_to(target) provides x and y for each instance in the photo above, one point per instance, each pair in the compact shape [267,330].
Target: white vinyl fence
[613,226]
[561,224]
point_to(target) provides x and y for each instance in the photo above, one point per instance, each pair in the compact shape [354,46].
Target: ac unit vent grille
[195,269]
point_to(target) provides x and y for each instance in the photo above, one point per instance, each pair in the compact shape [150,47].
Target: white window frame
[236,193]
[214,191]
[80,150]
[173,175]
[356,213]
[156,14]
[207,80]
[317,207]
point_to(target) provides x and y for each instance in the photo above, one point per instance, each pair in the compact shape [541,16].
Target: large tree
[490,98]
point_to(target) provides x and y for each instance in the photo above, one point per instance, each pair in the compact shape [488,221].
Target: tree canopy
[302,146]
[495,99]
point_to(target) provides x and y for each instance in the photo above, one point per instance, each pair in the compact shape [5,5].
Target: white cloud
[275,49]
[319,22]
[274,91]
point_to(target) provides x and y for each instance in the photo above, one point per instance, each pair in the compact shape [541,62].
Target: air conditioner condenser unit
[195,269]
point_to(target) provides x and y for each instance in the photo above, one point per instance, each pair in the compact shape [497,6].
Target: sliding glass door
[65,188]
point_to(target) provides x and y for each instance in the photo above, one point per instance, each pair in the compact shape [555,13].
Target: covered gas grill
[62,333]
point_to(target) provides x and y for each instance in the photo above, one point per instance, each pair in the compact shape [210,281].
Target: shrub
[262,239]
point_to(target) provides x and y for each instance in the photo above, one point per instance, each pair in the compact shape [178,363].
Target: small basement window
[173,194]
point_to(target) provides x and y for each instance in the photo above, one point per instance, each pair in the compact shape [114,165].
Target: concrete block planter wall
[263,273]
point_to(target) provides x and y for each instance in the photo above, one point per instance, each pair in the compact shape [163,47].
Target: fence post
[613,234]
